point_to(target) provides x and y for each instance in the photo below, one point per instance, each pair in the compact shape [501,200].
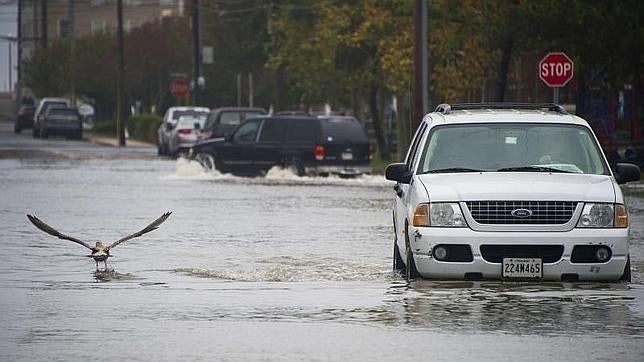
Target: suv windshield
[512,148]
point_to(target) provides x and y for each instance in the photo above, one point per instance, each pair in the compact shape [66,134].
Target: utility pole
[72,44]
[420,105]
[19,57]
[121,112]
[250,89]
[10,65]
[43,24]
[196,52]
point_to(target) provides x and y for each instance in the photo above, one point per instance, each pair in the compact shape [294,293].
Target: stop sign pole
[556,70]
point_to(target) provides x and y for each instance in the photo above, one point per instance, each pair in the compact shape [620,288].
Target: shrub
[143,127]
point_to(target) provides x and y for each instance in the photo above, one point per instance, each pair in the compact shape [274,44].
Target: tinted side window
[303,131]
[272,130]
[341,130]
[247,132]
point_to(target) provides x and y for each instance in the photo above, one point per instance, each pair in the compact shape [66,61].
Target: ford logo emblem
[522,213]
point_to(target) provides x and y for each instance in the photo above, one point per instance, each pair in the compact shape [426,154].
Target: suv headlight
[439,214]
[603,215]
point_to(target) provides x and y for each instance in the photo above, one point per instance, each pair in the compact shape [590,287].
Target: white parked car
[169,122]
[509,191]
[184,134]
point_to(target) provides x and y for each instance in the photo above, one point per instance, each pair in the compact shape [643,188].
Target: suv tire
[411,272]
[295,166]
[399,263]
[626,277]
[43,132]
[35,132]
[16,128]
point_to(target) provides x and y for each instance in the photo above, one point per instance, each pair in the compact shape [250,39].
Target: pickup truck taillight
[319,153]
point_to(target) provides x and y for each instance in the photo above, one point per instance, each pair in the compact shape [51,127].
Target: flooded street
[274,268]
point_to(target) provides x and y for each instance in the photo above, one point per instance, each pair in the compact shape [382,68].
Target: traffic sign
[179,87]
[556,69]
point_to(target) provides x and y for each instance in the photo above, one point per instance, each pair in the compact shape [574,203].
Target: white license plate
[522,268]
[347,156]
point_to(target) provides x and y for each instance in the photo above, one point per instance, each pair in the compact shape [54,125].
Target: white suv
[509,191]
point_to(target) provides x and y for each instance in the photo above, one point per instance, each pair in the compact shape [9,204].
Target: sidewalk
[112,141]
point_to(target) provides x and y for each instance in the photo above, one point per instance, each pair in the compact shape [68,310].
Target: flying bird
[100,251]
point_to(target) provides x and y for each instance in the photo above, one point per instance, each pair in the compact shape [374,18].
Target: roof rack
[447,108]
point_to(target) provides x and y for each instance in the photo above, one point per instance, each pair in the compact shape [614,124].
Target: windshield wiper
[532,169]
[454,169]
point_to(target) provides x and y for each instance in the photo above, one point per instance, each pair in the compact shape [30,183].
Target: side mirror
[626,172]
[168,126]
[398,172]
[197,126]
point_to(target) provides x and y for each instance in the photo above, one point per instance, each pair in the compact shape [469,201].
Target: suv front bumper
[423,241]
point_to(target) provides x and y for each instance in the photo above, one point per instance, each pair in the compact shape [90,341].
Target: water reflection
[516,308]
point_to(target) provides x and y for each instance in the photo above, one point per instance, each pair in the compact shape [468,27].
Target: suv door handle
[398,190]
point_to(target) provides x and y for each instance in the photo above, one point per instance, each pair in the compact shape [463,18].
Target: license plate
[522,268]
[347,156]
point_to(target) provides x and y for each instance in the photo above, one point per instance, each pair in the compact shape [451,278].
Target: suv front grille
[540,212]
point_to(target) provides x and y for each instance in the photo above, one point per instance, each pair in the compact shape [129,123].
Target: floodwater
[274,268]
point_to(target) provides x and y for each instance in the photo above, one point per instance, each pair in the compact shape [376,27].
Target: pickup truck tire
[34,132]
[411,272]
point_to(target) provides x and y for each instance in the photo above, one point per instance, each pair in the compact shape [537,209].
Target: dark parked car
[25,118]
[44,104]
[61,121]
[222,121]
[307,145]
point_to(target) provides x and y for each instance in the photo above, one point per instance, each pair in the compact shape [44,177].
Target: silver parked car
[184,134]
[170,120]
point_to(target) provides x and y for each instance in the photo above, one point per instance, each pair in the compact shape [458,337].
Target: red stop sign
[556,69]
[179,87]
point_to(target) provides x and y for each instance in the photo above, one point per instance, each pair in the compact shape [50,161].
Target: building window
[133,2]
[97,2]
[166,2]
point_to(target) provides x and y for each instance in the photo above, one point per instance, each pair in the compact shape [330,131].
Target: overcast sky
[8,25]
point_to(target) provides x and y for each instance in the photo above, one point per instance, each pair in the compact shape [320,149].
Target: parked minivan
[306,145]
[509,191]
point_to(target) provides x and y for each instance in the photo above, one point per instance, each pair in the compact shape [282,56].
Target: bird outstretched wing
[153,226]
[51,231]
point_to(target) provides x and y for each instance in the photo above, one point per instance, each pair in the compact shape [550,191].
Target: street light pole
[196,52]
